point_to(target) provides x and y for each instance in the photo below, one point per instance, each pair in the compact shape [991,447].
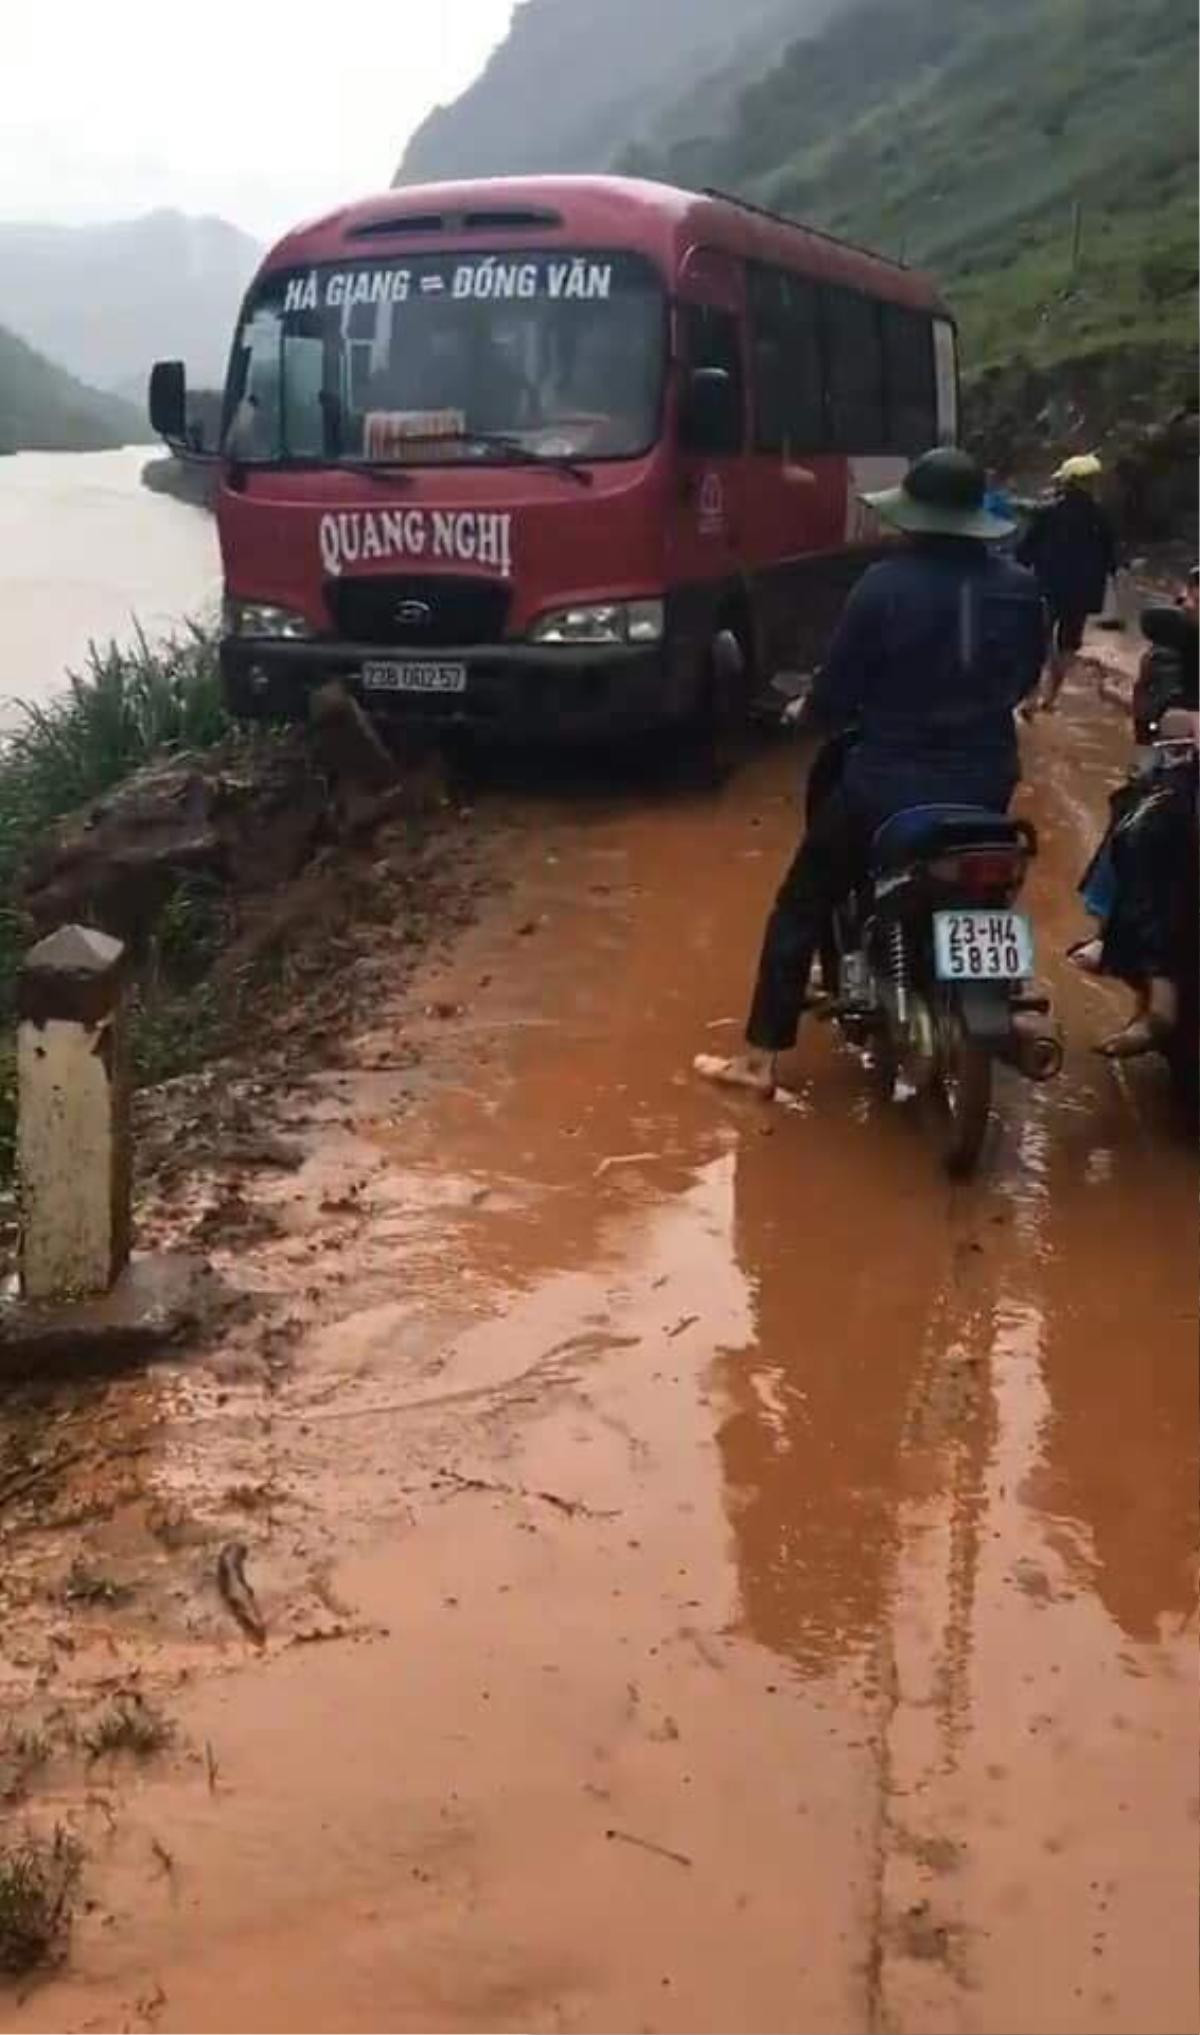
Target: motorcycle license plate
[982,946]
[409,676]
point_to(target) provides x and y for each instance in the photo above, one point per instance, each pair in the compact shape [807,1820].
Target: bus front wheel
[717,733]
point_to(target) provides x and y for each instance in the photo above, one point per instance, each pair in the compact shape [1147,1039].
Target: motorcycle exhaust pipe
[1039,1055]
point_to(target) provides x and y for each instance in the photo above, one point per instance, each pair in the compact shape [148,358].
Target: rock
[262,1148]
[346,741]
[157,1299]
[248,821]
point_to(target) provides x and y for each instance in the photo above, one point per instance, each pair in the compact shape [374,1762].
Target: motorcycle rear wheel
[962,1095]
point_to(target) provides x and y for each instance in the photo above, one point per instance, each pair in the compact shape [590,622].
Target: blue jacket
[935,648]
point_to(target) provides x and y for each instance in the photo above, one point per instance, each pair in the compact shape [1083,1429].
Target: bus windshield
[438,358]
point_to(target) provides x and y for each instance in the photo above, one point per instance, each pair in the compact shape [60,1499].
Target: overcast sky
[260,110]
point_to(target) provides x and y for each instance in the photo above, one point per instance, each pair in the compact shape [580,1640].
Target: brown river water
[84,550]
[718,1576]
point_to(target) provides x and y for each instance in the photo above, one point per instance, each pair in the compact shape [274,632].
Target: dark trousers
[1153,849]
[821,873]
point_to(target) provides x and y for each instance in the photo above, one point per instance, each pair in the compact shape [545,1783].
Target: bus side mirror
[168,399]
[710,420]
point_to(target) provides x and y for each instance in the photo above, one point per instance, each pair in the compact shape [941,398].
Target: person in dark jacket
[1169,673]
[936,647]
[1141,883]
[1071,546]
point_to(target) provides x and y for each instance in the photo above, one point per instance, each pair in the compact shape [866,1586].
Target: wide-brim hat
[942,495]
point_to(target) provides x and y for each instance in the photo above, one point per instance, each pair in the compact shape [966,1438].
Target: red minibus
[557,454]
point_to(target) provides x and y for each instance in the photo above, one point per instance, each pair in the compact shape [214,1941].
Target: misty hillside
[108,300]
[960,134]
[577,80]
[963,137]
[43,409]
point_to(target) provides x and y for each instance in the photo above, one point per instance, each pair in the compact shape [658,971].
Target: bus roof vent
[512,220]
[398,225]
[401,223]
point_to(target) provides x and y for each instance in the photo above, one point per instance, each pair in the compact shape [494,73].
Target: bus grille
[425,613]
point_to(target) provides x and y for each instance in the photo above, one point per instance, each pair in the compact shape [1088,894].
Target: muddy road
[716,1575]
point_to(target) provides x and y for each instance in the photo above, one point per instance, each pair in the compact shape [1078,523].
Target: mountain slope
[46,410]
[599,74]
[964,137]
[961,134]
[109,300]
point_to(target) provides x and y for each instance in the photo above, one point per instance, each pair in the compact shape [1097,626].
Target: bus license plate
[980,946]
[407,676]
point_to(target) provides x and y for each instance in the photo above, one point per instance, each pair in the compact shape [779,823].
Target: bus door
[705,546]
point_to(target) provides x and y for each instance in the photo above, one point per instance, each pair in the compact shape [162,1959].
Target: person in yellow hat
[1072,547]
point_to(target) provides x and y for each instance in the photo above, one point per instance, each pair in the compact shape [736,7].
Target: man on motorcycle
[935,649]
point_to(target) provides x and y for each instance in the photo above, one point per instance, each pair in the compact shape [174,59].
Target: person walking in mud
[936,648]
[1072,548]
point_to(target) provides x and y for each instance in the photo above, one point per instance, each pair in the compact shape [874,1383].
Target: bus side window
[911,382]
[709,338]
[789,401]
[854,356]
[945,357]
[768,341]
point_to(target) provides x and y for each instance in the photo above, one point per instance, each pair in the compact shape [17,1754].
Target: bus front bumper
[519,689]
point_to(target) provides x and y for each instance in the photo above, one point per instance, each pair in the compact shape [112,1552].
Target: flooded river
[84,551]
[717,1575]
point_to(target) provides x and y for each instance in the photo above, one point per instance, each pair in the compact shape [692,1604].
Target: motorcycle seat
[921,830]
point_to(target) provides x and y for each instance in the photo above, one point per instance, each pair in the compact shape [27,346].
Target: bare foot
[753,1070]
[1147,1030]
[1088,957]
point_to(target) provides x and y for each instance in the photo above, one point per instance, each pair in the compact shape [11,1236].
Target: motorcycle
[927,967]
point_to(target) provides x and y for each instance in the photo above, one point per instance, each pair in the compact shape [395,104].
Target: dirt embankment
[249,882]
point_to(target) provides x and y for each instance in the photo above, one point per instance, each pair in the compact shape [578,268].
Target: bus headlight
[602,622]
[263,618]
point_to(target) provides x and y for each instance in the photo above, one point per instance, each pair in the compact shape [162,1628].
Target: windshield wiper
[375,469]
[516,453]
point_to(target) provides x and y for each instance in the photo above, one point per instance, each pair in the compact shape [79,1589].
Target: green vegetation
[44,409]
[966,137]
[128,706]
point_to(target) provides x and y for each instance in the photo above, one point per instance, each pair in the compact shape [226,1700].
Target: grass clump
[128,705]
[37,1880]
[24,1751]
[129,1725]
